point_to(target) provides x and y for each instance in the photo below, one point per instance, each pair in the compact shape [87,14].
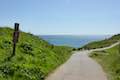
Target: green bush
[34,59]
[5,44]
[27,48]
[23,72]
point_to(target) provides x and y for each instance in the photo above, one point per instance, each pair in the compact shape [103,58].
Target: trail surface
[80,67]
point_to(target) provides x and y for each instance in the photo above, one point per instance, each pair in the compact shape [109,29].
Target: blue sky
[76,17]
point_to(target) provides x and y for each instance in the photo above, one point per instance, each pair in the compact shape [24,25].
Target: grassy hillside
[103,43]
[110,60]
[34,58]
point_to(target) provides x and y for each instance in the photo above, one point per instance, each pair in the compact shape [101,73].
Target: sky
[55,17]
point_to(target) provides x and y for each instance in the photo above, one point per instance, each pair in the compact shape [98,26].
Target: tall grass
[102,43]
[110,61]
[34,59]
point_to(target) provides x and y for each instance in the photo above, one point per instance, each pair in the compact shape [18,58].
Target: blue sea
[73,40]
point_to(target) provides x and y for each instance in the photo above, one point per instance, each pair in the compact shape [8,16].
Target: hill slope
[34,58]
[110,60]
[103,43]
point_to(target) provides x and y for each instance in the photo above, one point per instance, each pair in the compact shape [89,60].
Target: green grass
[110,61]
[34,58]
[103,43]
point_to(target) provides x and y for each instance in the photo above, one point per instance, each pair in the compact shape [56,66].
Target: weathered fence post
[119,48]
[15,37]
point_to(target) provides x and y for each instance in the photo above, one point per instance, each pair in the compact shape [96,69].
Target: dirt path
[80,67]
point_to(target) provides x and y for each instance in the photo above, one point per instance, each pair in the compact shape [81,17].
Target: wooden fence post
[15,37]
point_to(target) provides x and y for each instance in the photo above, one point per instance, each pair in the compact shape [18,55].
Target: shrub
[27,48]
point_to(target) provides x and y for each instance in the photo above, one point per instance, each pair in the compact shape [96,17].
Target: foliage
[110,60]
[34,57]
[103,43]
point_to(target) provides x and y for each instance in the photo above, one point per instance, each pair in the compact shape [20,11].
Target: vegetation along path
[80,67]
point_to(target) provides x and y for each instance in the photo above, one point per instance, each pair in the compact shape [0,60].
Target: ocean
[73,40]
